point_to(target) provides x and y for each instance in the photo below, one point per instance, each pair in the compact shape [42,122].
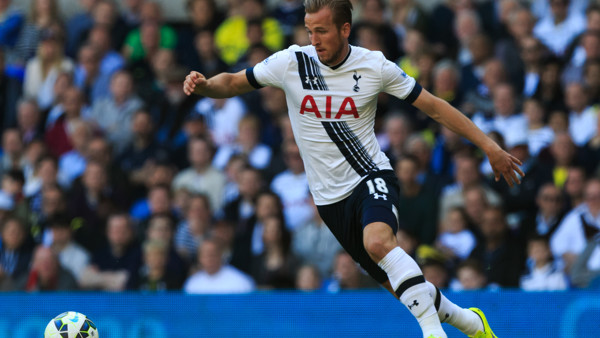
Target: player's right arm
[223,85]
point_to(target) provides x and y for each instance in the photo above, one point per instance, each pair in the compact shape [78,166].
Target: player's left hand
[506,165]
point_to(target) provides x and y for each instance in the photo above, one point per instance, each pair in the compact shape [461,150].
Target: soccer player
[331,89]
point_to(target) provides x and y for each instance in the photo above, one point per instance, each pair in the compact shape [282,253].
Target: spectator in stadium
[202,177]
[314,244]
[113,265]
[417,203]
[222,117]
[159,200]
[275,267]
[471,76]
[518,201]
[373,14]
[470,276]
[499,250]
[292,187]
[587,48]
[57,134]
[152,35]
[455,239]
[591,152]
[154,274]
[43,69]
[539,134]
[10,25]
[12,150]
[480,101]
[505,119]
[143,149]
[106,13]
[582,116]
[550,212]
[53,203]
[113,114]
[88,76]
[12,185]
[98,150]
[446,81]
[110,60]
[42,14]
[14,252]
[446,145]
[93,200]
[234,167]
[549,88]
[467,26]
[249,235]
[72,163]
[408,15]
[574,186]
[33,152]
[561,154]
[579,226]
[347,275]
[162,227]
[44,174]
[413,42]
[519,25]
[194,228]
[131,12]
[531,54]
[72,256]
[204,16]
[397,128]
[46,274]
[78,24]
[216,276]
[586,268]
[542,273]
[289,13]
[557,30]
[466,176]
[247,143]
[419,147]
[28,120]
[435,272]
[308,278]
[591,79]
[231,35]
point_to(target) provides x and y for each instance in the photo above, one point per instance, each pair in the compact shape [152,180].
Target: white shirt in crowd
[582,126]
[227,280]
[222,122]
[547,278]
[294,194]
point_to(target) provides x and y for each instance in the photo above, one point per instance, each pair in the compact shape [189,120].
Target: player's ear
[345,30]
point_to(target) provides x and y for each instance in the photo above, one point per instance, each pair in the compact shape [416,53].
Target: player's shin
[407,280]
[467,321]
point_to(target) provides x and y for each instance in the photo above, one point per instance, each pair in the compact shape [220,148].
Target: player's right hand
[194,83]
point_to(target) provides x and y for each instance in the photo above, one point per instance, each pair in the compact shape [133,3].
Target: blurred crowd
[113,179]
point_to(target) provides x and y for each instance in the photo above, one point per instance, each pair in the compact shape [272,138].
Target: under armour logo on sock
[415,303]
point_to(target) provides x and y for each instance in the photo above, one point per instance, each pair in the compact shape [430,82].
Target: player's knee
[378,244]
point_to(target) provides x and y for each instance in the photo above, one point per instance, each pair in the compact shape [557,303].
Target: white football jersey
[332,112]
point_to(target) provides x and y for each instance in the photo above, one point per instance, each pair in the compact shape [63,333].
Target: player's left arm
[502,162]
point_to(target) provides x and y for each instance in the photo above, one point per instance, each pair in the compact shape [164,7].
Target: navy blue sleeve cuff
[414,93]
[252,79]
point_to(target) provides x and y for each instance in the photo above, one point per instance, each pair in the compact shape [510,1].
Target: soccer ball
[71,325]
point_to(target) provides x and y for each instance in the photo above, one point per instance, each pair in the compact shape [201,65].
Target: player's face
[330,41]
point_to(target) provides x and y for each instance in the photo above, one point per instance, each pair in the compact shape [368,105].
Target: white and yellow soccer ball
[71,325]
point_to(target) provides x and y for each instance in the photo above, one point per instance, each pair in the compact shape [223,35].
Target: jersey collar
[344,60]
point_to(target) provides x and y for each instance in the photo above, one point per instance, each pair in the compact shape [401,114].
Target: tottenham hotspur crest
[356,78]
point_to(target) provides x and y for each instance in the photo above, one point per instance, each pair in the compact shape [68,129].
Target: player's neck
[343,57]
